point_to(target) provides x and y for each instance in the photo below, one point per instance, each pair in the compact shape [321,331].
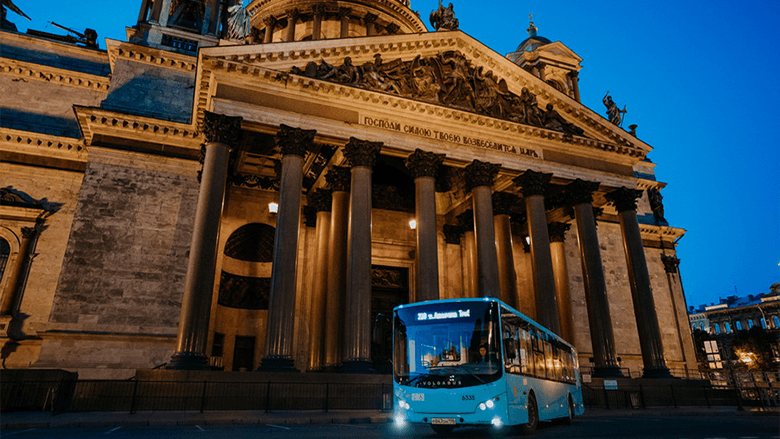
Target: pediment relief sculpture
[446,79]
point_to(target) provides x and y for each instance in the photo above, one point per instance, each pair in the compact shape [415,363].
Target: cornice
[274,61]
[644,184]
[660,233]
[38,72]
[62,48]
[110,126]
[149,55]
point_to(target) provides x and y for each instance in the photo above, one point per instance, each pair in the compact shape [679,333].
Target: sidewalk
[25,420]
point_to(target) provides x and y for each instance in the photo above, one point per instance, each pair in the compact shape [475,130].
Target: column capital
[293,14]
[270,21]
[370,18]
[558,231]
[339,178]
[503,202]
[580,191]
[532,182]
[28,232]
[361,152]
[318,9]
[466,220]
[624,198]
[294,141]
[393,28]
[218,128]
[423,163]
[321,200]
[671,263]
[344,12]
[479,173]
[452,234]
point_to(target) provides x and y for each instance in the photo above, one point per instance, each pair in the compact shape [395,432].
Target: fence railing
[758,389]
[132,396]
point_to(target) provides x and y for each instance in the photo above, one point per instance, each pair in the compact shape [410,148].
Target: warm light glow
[528,240]
[746,357]
[412,224]
[273,207]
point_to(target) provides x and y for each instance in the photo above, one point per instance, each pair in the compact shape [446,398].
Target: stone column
[163,13]
[423,167]
[293,143]
[575,79]
[338,179]
[452,235]
[344,17]
[292,20]
[561,272]
[533,185]
[270,24]
[624,200]
[221,133]
[469,255]
[672,269]
[580,195]
[10,302]
[361,155]
[370,22]
[318,10]
[479,179]
[321,201]
[507,277]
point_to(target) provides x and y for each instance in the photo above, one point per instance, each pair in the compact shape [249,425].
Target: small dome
[533,41]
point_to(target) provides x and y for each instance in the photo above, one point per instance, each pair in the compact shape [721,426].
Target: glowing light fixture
[273,207]
[412,224]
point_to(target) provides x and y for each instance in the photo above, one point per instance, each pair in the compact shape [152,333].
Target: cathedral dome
[316,19]
[533,41]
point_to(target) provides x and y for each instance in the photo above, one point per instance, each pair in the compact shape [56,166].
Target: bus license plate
[443,421]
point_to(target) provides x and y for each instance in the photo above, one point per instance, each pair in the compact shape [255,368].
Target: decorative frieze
[533,183]
[479,173]
[423,163]
[25,71]
[295,141]
[361,152]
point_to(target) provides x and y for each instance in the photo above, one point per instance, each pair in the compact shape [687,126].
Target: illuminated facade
[137,183]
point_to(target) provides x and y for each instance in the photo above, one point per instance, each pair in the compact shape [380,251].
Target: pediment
[445,70]
[559,50]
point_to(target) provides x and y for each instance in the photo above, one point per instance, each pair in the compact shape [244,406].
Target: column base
[277,364]
[607,372]
[188,361]
[357,366]
[657,372]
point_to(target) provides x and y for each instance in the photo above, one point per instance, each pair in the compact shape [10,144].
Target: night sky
[698,77]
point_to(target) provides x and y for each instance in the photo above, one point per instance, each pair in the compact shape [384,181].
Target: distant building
[137,183]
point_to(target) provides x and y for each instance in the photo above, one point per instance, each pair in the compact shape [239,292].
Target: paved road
[636,427]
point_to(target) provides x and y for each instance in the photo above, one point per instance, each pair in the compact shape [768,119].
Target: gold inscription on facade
[447,136]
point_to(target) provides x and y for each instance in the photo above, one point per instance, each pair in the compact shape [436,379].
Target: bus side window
[526,353]
[539,366]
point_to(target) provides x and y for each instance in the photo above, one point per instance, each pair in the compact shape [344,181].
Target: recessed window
[717,328]
[739,325]
[776,321]
[5,252]
[727,327]
[750,323]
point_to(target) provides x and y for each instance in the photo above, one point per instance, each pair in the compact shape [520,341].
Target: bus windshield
[447,345]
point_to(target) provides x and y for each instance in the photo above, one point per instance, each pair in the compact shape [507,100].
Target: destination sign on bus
[443,315]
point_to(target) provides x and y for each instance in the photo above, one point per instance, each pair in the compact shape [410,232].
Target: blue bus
[478,362]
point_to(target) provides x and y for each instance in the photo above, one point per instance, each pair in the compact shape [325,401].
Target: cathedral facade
[242,188]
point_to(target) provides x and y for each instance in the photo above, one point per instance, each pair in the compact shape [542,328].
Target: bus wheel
[570,416]
[533,416]
[442,429]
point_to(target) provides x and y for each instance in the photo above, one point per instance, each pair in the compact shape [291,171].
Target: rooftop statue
[444,18]
[5,24]
[615,114]
[239,22]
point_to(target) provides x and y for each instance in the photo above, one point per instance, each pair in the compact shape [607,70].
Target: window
[218,344]
[763,323]
[776,321]
[727,327]
[750,323]
[5,252]
[717,328]
[739,325]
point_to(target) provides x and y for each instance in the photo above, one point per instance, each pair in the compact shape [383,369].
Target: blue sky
[700,78]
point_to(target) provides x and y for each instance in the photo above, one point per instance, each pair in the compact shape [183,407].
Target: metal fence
[758,389]
[132,396]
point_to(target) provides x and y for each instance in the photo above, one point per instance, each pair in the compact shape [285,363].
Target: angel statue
[615,114]
[444,18]
[239,23]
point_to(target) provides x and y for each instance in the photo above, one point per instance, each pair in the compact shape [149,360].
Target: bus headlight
[489,404]
[497,422]
[403,404]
